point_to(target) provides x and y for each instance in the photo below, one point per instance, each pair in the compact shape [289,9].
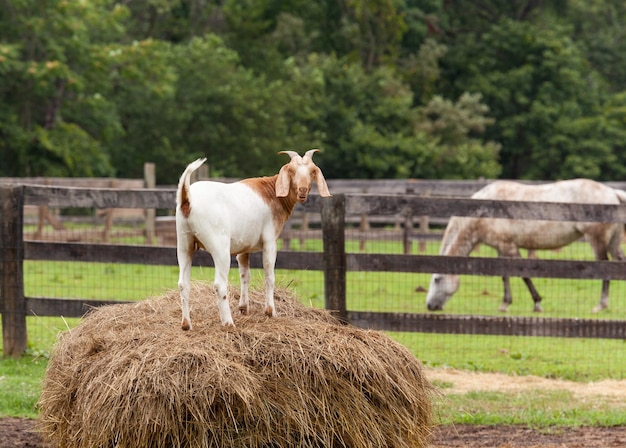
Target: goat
[237,219]
[463,234]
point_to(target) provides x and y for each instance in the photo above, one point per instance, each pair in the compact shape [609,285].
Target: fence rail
[333,261]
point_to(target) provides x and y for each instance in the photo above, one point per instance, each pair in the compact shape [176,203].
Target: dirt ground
[20,433]
[516,436]
[462,382]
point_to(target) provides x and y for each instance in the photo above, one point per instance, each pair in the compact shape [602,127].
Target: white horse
[507,236]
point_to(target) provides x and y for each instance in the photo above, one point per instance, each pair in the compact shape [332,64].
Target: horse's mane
[457,238]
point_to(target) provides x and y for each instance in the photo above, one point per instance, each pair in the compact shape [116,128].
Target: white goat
[239,218]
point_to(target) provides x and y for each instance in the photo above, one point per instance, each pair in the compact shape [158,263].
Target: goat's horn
[310,153]
[291,154]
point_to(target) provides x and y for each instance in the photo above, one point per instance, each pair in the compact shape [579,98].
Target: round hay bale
[127,376]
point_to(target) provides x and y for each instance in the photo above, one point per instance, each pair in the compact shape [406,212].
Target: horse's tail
[621,195]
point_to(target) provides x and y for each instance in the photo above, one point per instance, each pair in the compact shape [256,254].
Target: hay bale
[127,376]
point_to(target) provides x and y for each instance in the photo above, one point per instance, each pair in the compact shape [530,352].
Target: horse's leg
[508,298]
[513,252]
[601,253]
[604,298]
[535,295]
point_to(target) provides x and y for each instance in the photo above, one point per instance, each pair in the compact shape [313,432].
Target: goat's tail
[182,194]
[621,195]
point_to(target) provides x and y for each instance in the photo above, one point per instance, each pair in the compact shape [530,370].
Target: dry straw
[128,376]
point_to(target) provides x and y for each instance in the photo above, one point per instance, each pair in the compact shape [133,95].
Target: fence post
[406,233]
[334,238]
[423,227]
[149,175]
[364,227]
[13,305]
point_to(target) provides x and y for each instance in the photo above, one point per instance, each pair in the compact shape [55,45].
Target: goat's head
[299,175]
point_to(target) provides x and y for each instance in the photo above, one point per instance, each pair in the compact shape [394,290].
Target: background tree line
[530,89]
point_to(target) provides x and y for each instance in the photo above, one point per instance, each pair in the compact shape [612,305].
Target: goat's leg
[222,266]
[604,298]
[244,275]
[534,294]
[184,253]
[507,299]
[269,260]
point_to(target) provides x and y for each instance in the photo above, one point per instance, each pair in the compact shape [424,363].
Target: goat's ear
[321,184]
[282,182]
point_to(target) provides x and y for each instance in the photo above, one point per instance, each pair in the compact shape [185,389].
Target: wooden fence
[333,261]
[42,214]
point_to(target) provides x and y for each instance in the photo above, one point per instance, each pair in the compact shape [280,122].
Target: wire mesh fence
[366,290]
[571,358]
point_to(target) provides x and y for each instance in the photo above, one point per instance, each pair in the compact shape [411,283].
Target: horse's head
[441,288]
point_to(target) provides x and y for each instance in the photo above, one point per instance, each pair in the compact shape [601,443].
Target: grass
[573,359]
[20,385]
[536,408]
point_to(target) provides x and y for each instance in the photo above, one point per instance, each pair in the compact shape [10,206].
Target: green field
[574,359]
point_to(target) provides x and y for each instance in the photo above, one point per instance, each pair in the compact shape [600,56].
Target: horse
[507,236]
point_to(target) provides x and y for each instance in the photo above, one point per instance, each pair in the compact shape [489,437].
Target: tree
[387,88]
[457,129]
[598,27]
[51,63]
[372,130]
[536,82]
[593,146]
[206,104]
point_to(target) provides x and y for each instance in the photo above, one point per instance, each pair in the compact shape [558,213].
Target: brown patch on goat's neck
[281,207]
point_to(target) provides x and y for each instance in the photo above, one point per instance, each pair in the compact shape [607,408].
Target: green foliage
[68,150]
[547,99]
[598,30]
[458,154]
[372,129]
[47,61]
[400,88]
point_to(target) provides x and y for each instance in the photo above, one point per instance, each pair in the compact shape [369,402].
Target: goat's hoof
[243,310]
[269,311]
[503,309]
[596,309]
[186,325]
[538,309]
